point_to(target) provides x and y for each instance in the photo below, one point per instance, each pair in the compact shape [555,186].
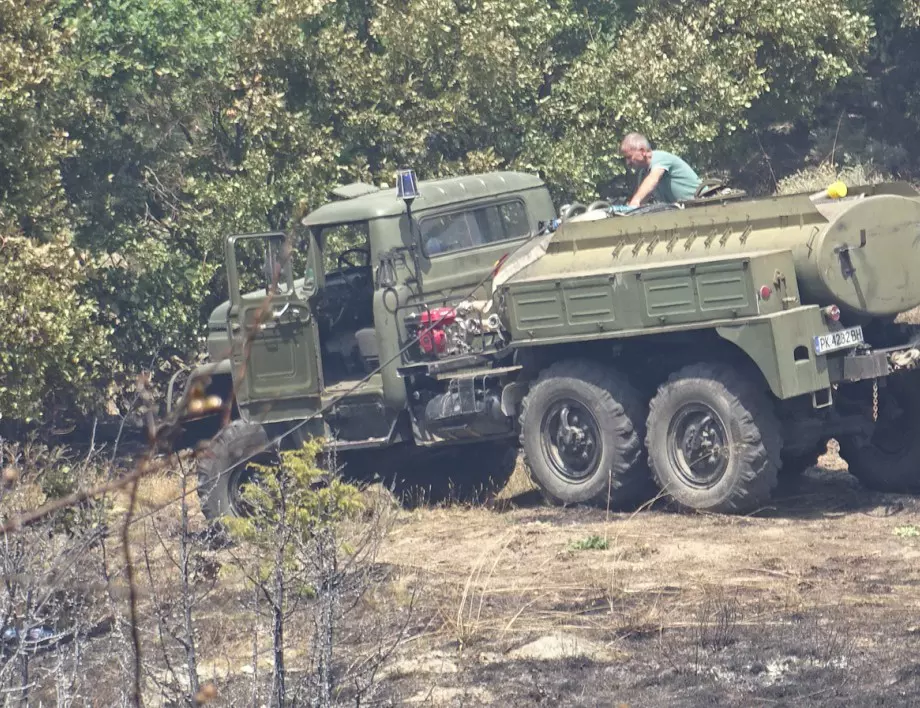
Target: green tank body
[861,252]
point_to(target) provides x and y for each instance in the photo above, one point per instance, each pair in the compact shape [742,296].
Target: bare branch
[132,590]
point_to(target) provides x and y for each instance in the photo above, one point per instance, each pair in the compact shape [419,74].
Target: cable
[319,412]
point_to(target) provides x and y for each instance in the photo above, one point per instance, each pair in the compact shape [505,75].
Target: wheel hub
[571,439]
[240,478]
[698,445]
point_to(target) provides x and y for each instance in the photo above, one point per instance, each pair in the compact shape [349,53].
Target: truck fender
[754,342]
[512,395]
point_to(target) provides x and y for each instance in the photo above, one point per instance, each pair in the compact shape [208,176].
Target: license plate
[832,341]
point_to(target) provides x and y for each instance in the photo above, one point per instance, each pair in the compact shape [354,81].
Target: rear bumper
[873,364]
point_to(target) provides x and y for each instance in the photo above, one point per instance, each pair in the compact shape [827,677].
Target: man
[672,179]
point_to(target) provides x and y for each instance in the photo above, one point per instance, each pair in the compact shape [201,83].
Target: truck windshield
[344,246]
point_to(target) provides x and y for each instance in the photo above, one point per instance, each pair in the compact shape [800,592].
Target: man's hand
[647,187]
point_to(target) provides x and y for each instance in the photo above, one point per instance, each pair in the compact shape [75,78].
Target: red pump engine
[433,341]
[449,331]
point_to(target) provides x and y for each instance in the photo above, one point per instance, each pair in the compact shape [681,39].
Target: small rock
[439,696]
[435,662]
[561,646]
[490,657]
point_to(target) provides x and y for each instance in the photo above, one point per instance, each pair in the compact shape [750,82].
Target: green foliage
[590,543]
[33,139]
[910,13]
[907,531]
[687,75]
[290,502]
[52,352]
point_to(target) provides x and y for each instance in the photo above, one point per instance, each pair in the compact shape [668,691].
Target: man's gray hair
[635,141]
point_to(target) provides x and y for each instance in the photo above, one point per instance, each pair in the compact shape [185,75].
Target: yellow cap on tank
[837,190]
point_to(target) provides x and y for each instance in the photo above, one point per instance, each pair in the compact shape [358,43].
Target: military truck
[695,351]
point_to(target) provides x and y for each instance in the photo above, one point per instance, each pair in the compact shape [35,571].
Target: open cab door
[276,367]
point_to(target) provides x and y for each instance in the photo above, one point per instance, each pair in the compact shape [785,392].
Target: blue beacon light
[406,186]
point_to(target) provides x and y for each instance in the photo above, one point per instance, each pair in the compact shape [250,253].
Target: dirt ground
[813,601]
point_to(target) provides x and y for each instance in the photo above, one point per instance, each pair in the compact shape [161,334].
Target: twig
[767,571]
[769,162]
[132,588]
[836,135]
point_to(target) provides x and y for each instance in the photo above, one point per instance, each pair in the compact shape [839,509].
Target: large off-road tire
[725,424]
[889,460]
[221,478]
[582,425]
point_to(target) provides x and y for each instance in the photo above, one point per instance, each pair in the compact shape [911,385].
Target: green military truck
[697,350]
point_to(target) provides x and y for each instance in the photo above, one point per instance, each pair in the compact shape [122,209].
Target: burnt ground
[813,601]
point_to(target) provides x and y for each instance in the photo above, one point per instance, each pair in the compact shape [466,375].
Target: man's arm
[647,187]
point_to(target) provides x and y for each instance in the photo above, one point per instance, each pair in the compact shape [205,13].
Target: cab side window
[480,226]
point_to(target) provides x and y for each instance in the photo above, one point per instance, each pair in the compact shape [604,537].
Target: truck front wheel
[714,440]
[224,468]
[581,430]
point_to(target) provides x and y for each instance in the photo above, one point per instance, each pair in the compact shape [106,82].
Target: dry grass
[498,579]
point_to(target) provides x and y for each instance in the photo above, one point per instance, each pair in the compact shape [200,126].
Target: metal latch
[843,253]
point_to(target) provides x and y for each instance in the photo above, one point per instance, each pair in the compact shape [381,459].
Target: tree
[54,351]
[312,540]
[689,75]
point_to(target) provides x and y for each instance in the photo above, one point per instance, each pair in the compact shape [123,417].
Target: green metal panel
[720,293]
[780,345]
[539,309]
[433,194]
[589,301]
[669,295]
[281,366]
[690,292]
[724,288]
[277,371]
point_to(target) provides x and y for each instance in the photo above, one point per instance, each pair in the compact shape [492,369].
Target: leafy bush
[54,355]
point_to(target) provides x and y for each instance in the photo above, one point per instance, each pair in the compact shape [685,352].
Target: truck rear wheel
[581,429]
[221,479]
[889,460]
[714,440]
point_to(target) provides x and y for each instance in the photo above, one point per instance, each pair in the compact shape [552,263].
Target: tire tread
[760,429]
[232,443]
[630,482]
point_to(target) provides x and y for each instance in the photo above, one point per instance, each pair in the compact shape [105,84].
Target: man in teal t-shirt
[672,179]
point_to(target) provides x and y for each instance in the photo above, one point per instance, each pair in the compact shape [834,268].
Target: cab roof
[432,194]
